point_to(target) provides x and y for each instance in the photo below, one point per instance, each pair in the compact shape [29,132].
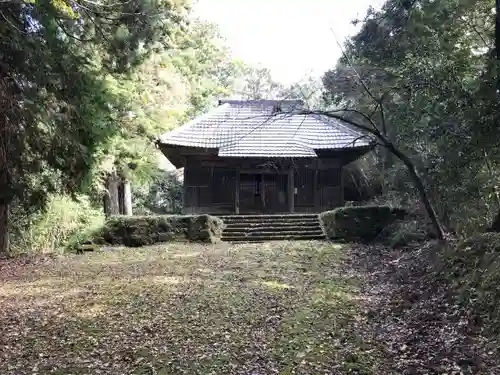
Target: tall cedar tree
[56,108]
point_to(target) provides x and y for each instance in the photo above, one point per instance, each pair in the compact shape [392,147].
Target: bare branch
[474,28]
[382,119]
[351,65]
[357,139]
[12,24]
[332,113]
[419,185]
[98,28]
[67,33]
[106,5]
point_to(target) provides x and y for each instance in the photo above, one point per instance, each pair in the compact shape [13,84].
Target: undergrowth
[62,225]
[472,268]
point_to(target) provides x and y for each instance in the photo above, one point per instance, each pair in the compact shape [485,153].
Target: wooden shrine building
[262,156]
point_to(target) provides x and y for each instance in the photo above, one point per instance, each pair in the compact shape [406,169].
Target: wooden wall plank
[237,193]
[291,190]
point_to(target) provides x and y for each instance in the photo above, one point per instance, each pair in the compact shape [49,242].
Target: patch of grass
[65,223]
[272,308]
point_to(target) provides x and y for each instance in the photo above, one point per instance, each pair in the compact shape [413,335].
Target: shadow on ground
[413,308]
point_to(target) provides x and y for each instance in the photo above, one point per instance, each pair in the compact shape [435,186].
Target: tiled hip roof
[255,129]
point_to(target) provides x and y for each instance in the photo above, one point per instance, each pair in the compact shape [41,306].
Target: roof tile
[254,129]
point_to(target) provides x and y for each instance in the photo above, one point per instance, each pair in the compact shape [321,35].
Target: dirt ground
[271,308]
[413,311]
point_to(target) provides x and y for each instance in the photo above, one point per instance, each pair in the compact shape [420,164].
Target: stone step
[273,228]
[280,224]
[269,231]
[272,238]
[271,220]
[273,217]
[259,228]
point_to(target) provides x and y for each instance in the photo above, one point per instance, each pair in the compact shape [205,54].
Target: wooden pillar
[291,191]
[262,191]
[184,190]
[237,193]
[315,190]
[341,186]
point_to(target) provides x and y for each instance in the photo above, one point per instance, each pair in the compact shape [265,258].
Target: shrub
[162,195]
[359,224]
[404,232]
[64,222]
[147,230]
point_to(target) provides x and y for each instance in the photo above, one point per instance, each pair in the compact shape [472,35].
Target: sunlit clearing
[330,295]
[27,290]
[205,270]
[93,311]
[173,280]
[190,254]
[276,285]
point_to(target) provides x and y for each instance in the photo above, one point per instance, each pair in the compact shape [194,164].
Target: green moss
[359,224]
[204,228]
[137,231]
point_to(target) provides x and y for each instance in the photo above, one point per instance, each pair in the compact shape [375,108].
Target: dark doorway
[263,193]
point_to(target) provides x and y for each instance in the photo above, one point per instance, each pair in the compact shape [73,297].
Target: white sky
[293,38]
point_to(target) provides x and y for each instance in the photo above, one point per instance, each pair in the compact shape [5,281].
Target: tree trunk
[113,203]
[419,185]
[387,162]
[105,204]
[127,198]
[4,229]
[387,155]
[497,41]
[417,181]
[496,194]
[495,226]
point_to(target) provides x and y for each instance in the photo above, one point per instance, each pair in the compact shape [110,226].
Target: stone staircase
[259,228]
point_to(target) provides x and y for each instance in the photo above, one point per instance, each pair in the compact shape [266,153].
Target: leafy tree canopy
[429,71]
[56,94]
